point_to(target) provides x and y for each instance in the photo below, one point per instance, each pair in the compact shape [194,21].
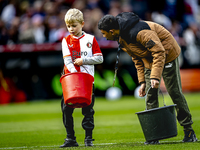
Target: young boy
[80,52]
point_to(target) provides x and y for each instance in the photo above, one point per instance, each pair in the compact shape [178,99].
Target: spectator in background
[38,29]
[26,32]
[191,11]
[79,4]
[62,31]
[176,30]
[13,31]
[92,4]
[38,8]
[141,6]
[8,13]
[161,19]
[27,10]
[88,21]
[3,3]
[192,39]
[98,14]
[174,9]
[53,24]
[3,33]
[115,8]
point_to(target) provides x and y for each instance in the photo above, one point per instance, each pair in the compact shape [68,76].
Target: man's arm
[152,43]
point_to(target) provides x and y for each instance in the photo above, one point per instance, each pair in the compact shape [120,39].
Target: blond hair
[74,15]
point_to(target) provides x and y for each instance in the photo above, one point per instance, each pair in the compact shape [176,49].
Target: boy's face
[75,28]
[111,35]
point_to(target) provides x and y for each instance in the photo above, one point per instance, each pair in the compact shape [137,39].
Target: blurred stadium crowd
[42,21]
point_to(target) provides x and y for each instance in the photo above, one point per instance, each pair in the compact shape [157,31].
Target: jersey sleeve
[97,57]
[65,49]
[67,57]
[95,48]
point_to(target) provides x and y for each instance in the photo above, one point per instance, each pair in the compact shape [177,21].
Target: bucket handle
[85,69]
[116,64]
[148,92]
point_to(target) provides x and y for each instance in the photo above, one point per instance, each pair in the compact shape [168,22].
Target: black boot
[88,141]
[189,136]
[69,143]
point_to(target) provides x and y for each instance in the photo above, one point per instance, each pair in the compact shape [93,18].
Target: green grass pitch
[38,125]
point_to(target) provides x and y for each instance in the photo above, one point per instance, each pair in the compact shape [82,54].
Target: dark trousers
[87,122]
[171,77]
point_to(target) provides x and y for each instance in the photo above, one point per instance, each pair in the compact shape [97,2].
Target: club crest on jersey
[89,45]
[70,45]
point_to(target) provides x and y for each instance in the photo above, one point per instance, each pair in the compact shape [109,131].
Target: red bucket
[77,89]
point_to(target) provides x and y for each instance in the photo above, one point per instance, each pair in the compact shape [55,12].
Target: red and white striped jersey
[85,47]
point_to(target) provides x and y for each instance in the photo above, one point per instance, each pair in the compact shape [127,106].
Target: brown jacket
[149,44]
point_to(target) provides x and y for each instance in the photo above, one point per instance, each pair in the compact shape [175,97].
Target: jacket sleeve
[140,69]
[152,43]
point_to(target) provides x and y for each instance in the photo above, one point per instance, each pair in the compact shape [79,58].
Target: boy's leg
[68,122]
[152,95]
[68,119]
[88,121]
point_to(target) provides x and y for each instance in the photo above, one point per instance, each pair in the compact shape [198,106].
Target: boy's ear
[82,23]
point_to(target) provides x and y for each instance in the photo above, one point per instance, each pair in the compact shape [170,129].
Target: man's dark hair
[107,23]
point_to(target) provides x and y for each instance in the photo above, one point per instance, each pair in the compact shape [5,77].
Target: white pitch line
[49,146]
[98,144]
[29,147]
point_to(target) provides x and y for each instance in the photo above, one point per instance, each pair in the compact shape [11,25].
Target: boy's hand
[78,61]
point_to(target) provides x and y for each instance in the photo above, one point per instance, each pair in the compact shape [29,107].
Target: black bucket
[158,123]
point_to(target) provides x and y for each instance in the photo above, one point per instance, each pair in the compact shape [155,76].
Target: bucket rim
[74,73]
[154,109]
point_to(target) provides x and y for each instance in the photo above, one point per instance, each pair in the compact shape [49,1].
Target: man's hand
[78,61]
[142,90]
[154,83]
